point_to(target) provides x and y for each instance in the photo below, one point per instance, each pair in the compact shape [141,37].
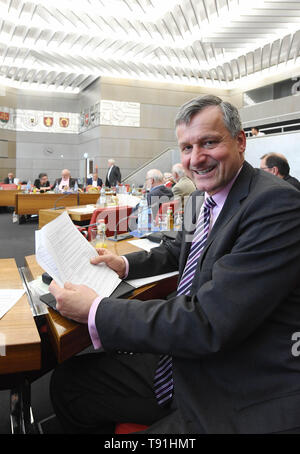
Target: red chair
[113,216]
[127,428]
[8,187]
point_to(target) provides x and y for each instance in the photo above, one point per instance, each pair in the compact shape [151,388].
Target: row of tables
[34,202]
[35,344]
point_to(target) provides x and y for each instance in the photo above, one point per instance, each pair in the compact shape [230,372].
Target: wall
[133,147]
[287,144]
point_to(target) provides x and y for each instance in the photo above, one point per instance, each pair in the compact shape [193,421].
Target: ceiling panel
[65,44]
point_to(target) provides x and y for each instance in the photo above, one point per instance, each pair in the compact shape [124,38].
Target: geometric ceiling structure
[64,45]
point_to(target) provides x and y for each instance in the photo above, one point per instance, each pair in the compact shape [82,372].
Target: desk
[68,337]
[32,203]
[48,215]
[22,350]
[22,340]
[8,197]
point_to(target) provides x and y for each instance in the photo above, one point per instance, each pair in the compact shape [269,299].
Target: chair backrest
[175,204]
[112,216]
[6,186]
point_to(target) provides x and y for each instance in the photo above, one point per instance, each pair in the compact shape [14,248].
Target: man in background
[94,181]
[278,165]
[9,179]
[42,183]
[256,132]
[65,182]
[113,176]
[158,192]
[184,185]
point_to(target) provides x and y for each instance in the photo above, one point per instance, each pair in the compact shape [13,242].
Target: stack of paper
[8,298]
[65,254]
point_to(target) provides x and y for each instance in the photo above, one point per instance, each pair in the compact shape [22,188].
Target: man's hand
[114,261]
[73,301]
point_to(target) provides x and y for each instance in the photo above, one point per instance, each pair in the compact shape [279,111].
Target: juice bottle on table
[101,236]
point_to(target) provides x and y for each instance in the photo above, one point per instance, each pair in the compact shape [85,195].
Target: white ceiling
[67,44]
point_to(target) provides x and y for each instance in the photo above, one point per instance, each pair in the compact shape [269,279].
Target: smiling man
[217,356]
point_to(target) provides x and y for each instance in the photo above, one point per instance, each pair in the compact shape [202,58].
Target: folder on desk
[123,289]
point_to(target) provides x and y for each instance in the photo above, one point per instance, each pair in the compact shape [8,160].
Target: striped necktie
[163,379]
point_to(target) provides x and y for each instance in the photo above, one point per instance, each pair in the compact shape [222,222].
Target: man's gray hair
[155,174]
[230,113]
[178,168]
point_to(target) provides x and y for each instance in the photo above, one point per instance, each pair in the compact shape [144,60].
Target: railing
[163,161]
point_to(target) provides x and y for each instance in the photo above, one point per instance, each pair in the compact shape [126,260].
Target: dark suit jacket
[231,340]
[293,181]
[37,184]
[72,182]
[157,196]
[6,181]
[90,181]
[114,177]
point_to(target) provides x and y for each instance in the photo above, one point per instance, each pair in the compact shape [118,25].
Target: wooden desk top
[17,327]
[68,337]
[8,197]
[33,202]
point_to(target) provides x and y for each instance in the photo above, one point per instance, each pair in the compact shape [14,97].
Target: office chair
[113,216]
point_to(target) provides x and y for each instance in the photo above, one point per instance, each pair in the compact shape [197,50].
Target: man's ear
[275,170]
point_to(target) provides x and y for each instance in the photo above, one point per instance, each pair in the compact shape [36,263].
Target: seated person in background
[65,182]
[256,132]
[158,192]
[9,179]
[168,180]
[278,165]
[42,183]
[94,181]
[184,185]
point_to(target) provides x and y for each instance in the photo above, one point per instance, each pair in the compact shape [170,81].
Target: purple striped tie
[163,380]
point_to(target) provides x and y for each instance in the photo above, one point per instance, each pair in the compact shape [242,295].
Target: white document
[83,210]
[128,199]
[144,243]
[136,283]
[8,298]
[65,254]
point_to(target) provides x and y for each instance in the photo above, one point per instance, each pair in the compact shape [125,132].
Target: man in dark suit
[278,165]
[65,183]
[113,176]
[94,181]
[230,333]
[9,179]
[158,192]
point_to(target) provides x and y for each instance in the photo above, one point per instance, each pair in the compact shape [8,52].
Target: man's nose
[197,155]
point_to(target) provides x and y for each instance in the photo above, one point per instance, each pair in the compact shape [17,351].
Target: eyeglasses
[265,168]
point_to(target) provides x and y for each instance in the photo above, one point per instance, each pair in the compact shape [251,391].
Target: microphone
[62,197]
[124,236]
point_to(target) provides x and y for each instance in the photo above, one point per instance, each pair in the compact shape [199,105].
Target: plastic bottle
[56,189]
[102,198]
[177,221]
[143,215]
[100,241]
[28,187]
[76,187]
[133,190]
[170,219]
